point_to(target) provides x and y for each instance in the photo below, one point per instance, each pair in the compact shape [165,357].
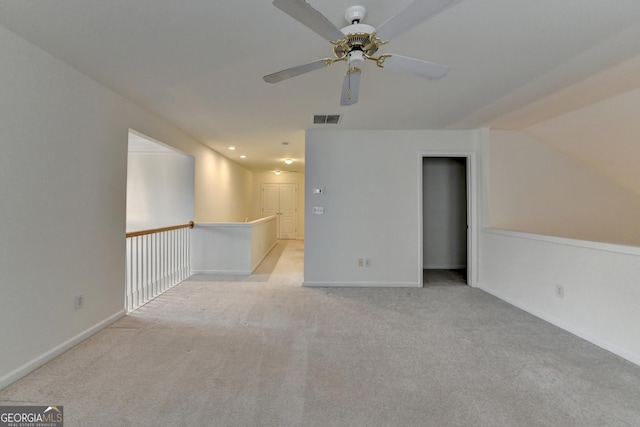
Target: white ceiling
[199,63]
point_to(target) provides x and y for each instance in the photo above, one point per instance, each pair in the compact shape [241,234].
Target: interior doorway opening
[445,219]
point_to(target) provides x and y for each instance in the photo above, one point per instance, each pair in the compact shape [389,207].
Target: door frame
[472,210]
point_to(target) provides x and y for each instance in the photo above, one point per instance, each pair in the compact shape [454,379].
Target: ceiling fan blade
[296,71]
[414,14]
[350,87]
[304,13]
[415,67]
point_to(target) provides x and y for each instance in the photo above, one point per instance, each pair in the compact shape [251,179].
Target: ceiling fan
[359,42]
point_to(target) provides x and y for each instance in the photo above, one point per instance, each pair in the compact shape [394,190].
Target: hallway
[261,350]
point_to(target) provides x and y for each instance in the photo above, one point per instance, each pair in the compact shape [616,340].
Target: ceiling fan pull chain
[349,73]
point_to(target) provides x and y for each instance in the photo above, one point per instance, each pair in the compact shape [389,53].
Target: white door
[288,193]
[281,200]
[270,199]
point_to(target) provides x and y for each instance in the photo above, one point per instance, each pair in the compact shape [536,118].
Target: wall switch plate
[78,302]
[318,210]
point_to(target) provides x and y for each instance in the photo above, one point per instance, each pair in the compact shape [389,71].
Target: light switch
[318,210]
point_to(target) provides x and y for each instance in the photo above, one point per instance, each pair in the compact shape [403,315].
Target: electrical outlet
[364,262]
[78,302]
[559,291]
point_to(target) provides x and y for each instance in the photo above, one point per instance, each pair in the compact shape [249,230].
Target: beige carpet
[261,350]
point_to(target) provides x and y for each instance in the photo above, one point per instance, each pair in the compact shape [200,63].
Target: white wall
[63,168]
[538,189]
[232,248]
[224,189]
[600,281]
[371,197]
[561,210]
[160,190]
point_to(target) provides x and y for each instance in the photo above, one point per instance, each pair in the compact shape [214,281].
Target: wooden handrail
[159,230]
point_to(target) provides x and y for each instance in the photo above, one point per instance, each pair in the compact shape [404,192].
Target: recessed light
[288,161]
[243,156]
[232,148]
[277,172]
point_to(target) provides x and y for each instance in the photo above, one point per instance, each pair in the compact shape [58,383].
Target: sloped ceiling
[594,121]
[604,135]
[199,63]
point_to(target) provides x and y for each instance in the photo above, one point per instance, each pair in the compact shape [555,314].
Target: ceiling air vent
[326,119]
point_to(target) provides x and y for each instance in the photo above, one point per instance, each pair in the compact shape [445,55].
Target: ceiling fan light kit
[358,42]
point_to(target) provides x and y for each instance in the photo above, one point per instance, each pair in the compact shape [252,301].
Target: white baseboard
[361,284]
[617,350]
[32,365]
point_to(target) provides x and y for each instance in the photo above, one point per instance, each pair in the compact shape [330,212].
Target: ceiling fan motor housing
[357,37]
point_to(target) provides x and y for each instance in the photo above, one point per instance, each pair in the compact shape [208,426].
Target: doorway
[445,220]
[281,199]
